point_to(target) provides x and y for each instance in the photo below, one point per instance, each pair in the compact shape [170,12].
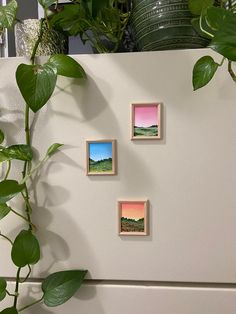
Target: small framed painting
[146,121]
[133,217]
[101,157]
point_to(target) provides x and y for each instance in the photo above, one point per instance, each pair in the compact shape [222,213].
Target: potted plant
[216,20]
[36,83]
[164,25]
[101,23]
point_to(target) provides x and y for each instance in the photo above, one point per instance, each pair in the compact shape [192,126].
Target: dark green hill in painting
[131,225]
[104,165]
[148,131]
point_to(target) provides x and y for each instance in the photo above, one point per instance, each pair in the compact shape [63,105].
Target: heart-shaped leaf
[4,211]
[36,83]
[8,14]
[61,286]
[25,249]
[224,41]
[2,136]
[203,71]
[53,149]
[9,310]
[20,152]
[9,189]
[198,6]
[67,66]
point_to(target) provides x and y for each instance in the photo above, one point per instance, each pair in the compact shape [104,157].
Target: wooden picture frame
[101,157]
[133,217]
[146,121]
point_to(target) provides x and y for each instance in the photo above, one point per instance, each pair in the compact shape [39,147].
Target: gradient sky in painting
[100,150]
[132,210]
[145,116]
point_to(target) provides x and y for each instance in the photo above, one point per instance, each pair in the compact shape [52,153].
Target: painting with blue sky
[100,157]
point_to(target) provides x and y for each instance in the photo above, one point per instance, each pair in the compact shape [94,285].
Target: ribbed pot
[163,25]
[27,33]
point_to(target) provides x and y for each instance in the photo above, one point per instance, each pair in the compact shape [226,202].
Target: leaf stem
[32,58]
[40,163]
[203,30]
[27,276]
[31,304]
[230,70]
[222,61]
[24,218]
[10,294]
[8,169]
[17,287]
[5,237]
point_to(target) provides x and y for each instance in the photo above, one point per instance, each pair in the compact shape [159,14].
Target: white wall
[189,176]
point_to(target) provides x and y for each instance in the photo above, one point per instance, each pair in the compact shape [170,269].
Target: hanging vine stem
[17,287]
[26,170]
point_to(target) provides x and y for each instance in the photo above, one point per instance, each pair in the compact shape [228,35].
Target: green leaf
[203,71]
[9,310]
[2,136]
[9,189]
[53,148]
[46,3]
[216,17]
[67,66]
[3,157]
[224,41]
[8,14]
[25,249]
[71,20]
[2,295]
[95,6]
[4,211]
[61,286]
[20,152]
[198,6]
[3,285]
[36,83]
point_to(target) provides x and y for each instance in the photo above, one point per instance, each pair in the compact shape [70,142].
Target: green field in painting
[104,165]
[131,225]
[150,131]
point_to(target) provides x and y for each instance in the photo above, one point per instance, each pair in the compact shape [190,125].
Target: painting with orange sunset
[132,217]
[132,210]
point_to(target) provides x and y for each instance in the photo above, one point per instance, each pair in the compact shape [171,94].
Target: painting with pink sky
[132,215]
[145,121]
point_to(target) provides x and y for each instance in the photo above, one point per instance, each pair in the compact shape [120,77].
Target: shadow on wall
[91,103]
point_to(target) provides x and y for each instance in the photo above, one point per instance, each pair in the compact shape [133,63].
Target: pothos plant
[36,83]
[101,23]
[215,20]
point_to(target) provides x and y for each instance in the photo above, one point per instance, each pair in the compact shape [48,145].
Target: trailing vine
[36,83]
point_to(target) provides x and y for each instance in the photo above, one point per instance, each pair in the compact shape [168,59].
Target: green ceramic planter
[164,25]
